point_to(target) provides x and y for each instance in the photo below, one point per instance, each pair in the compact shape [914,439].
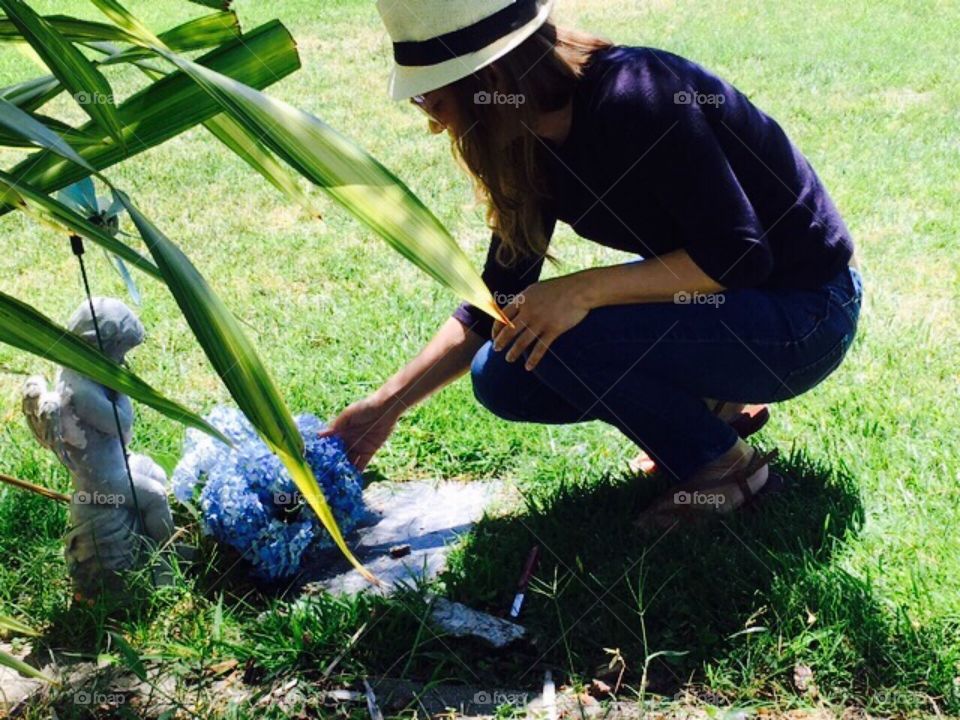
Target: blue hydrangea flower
[248,500]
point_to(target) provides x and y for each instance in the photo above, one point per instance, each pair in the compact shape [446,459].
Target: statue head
[120,329]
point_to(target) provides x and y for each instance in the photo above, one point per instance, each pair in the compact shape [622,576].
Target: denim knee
[490,385]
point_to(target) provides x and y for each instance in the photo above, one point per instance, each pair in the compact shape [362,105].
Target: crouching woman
[744,291]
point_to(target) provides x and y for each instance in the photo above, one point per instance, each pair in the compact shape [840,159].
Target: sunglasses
[420,102]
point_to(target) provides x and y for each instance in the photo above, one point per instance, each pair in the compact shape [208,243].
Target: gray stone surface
[14,687]
[458,620]
[427,516]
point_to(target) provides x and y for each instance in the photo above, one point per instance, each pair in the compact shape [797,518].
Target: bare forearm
[657,279]
[444,359]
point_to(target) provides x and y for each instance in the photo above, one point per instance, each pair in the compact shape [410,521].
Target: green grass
[853,573]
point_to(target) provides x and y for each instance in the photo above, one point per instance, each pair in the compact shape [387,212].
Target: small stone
[458,620]
[599,689]
[222,668]
[586,700]
[399,551]
[802,678]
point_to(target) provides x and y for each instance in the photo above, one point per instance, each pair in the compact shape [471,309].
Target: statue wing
[41,407]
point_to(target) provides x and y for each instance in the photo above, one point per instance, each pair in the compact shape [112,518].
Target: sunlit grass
[869,92]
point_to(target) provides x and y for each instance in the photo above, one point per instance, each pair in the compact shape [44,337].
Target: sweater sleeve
[503,282]
[663,122]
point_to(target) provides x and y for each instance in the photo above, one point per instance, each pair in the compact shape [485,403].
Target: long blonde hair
[500,105]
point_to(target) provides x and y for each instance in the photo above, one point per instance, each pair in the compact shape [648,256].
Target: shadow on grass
[734,603]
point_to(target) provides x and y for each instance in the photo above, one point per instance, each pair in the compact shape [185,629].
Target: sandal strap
[739,476]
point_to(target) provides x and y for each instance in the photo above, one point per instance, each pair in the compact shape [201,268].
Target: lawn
[854,573]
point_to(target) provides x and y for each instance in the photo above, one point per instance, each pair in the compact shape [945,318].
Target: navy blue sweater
[664,155]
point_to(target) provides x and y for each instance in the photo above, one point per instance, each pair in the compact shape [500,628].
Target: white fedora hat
[437,42]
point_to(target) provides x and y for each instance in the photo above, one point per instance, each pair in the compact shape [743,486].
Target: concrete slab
[428,516]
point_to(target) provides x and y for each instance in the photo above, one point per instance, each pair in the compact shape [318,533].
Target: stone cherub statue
[76,421]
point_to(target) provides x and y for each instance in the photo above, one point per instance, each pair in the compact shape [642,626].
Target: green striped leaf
[253,152]
[31,94]
[122,17]
[352,177]
[167,108]
[22,123]
[339,166]
[236,362]
[15,139]
[25,328]
[257,156]
[21,667]
[59,216]
[79,76]
[71,29]
[222,4]
[203,32]
[196,34]
[131,658]
[16,627]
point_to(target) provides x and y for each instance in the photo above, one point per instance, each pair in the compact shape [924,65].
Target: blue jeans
[644,368]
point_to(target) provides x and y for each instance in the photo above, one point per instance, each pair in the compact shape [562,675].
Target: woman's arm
[444,359]
[658,279]
[365,425]
[546,310]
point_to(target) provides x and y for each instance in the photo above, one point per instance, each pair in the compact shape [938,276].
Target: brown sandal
[751,420]
[683,509]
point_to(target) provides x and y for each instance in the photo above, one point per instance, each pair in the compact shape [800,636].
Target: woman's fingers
[510,310]
[536,355]
[362,461]
[525,340]
[506,336]
[335,426]
[330,429]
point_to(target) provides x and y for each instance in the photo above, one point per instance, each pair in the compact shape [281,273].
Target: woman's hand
[364,426]
[540,314]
